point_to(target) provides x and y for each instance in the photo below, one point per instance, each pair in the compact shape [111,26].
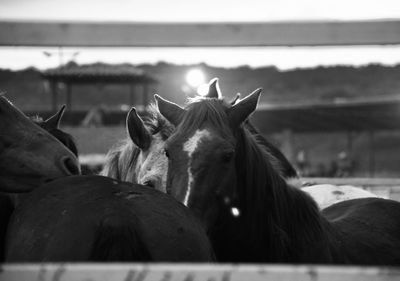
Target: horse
[30,156]
[324,194]
[9,201]
[97,219]
[218,169]
[140,157]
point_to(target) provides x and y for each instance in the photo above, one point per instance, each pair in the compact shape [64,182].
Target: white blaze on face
[190,147]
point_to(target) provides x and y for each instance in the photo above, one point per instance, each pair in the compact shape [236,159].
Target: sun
[195,78]
[202,90]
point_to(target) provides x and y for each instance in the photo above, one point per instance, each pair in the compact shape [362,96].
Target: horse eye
[227,156]
[166,153]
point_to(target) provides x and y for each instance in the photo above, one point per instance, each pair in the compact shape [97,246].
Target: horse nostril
[70,166]
[149,183]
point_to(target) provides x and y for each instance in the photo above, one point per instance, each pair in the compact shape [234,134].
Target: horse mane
[281,219]
[157,123]
[122,158]
[282,163]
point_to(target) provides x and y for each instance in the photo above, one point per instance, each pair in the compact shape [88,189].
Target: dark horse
[29,155]
[95,218]
[16,128]
[219,170]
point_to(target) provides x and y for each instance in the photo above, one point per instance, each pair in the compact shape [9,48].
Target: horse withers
[218,169]
[95,218]
[29,156]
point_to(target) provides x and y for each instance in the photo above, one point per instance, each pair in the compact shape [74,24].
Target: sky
[200,11]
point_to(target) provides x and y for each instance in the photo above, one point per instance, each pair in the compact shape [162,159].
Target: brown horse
[8,201]
[95,218]
[29,156]
[218,168]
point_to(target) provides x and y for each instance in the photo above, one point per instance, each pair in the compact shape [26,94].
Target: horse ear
[170,110]
[236,99]
[243,108]
[213,89]
[53,122]
[137,130]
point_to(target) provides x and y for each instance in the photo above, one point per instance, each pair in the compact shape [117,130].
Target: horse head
[282,163]
[140,158]
[29,154]
[202,151]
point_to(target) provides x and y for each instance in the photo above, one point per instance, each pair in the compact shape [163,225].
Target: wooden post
[54,93]
[69,95]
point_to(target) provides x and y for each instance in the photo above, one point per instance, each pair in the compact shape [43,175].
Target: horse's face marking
[201,170]
[190,147]
[152,165]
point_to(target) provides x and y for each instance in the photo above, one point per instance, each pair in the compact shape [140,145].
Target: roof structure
[99,72]
[357,115]
[74,74]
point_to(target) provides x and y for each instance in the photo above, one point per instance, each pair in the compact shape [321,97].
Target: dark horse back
[373,224]
[94,218]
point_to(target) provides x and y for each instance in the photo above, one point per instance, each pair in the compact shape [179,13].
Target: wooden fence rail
[114,34]
[193,272]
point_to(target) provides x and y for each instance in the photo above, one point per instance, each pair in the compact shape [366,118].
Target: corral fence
[335,33]
[194,272]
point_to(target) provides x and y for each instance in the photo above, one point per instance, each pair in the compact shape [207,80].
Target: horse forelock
[203,112]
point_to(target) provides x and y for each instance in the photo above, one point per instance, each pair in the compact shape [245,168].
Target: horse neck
[278,218]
